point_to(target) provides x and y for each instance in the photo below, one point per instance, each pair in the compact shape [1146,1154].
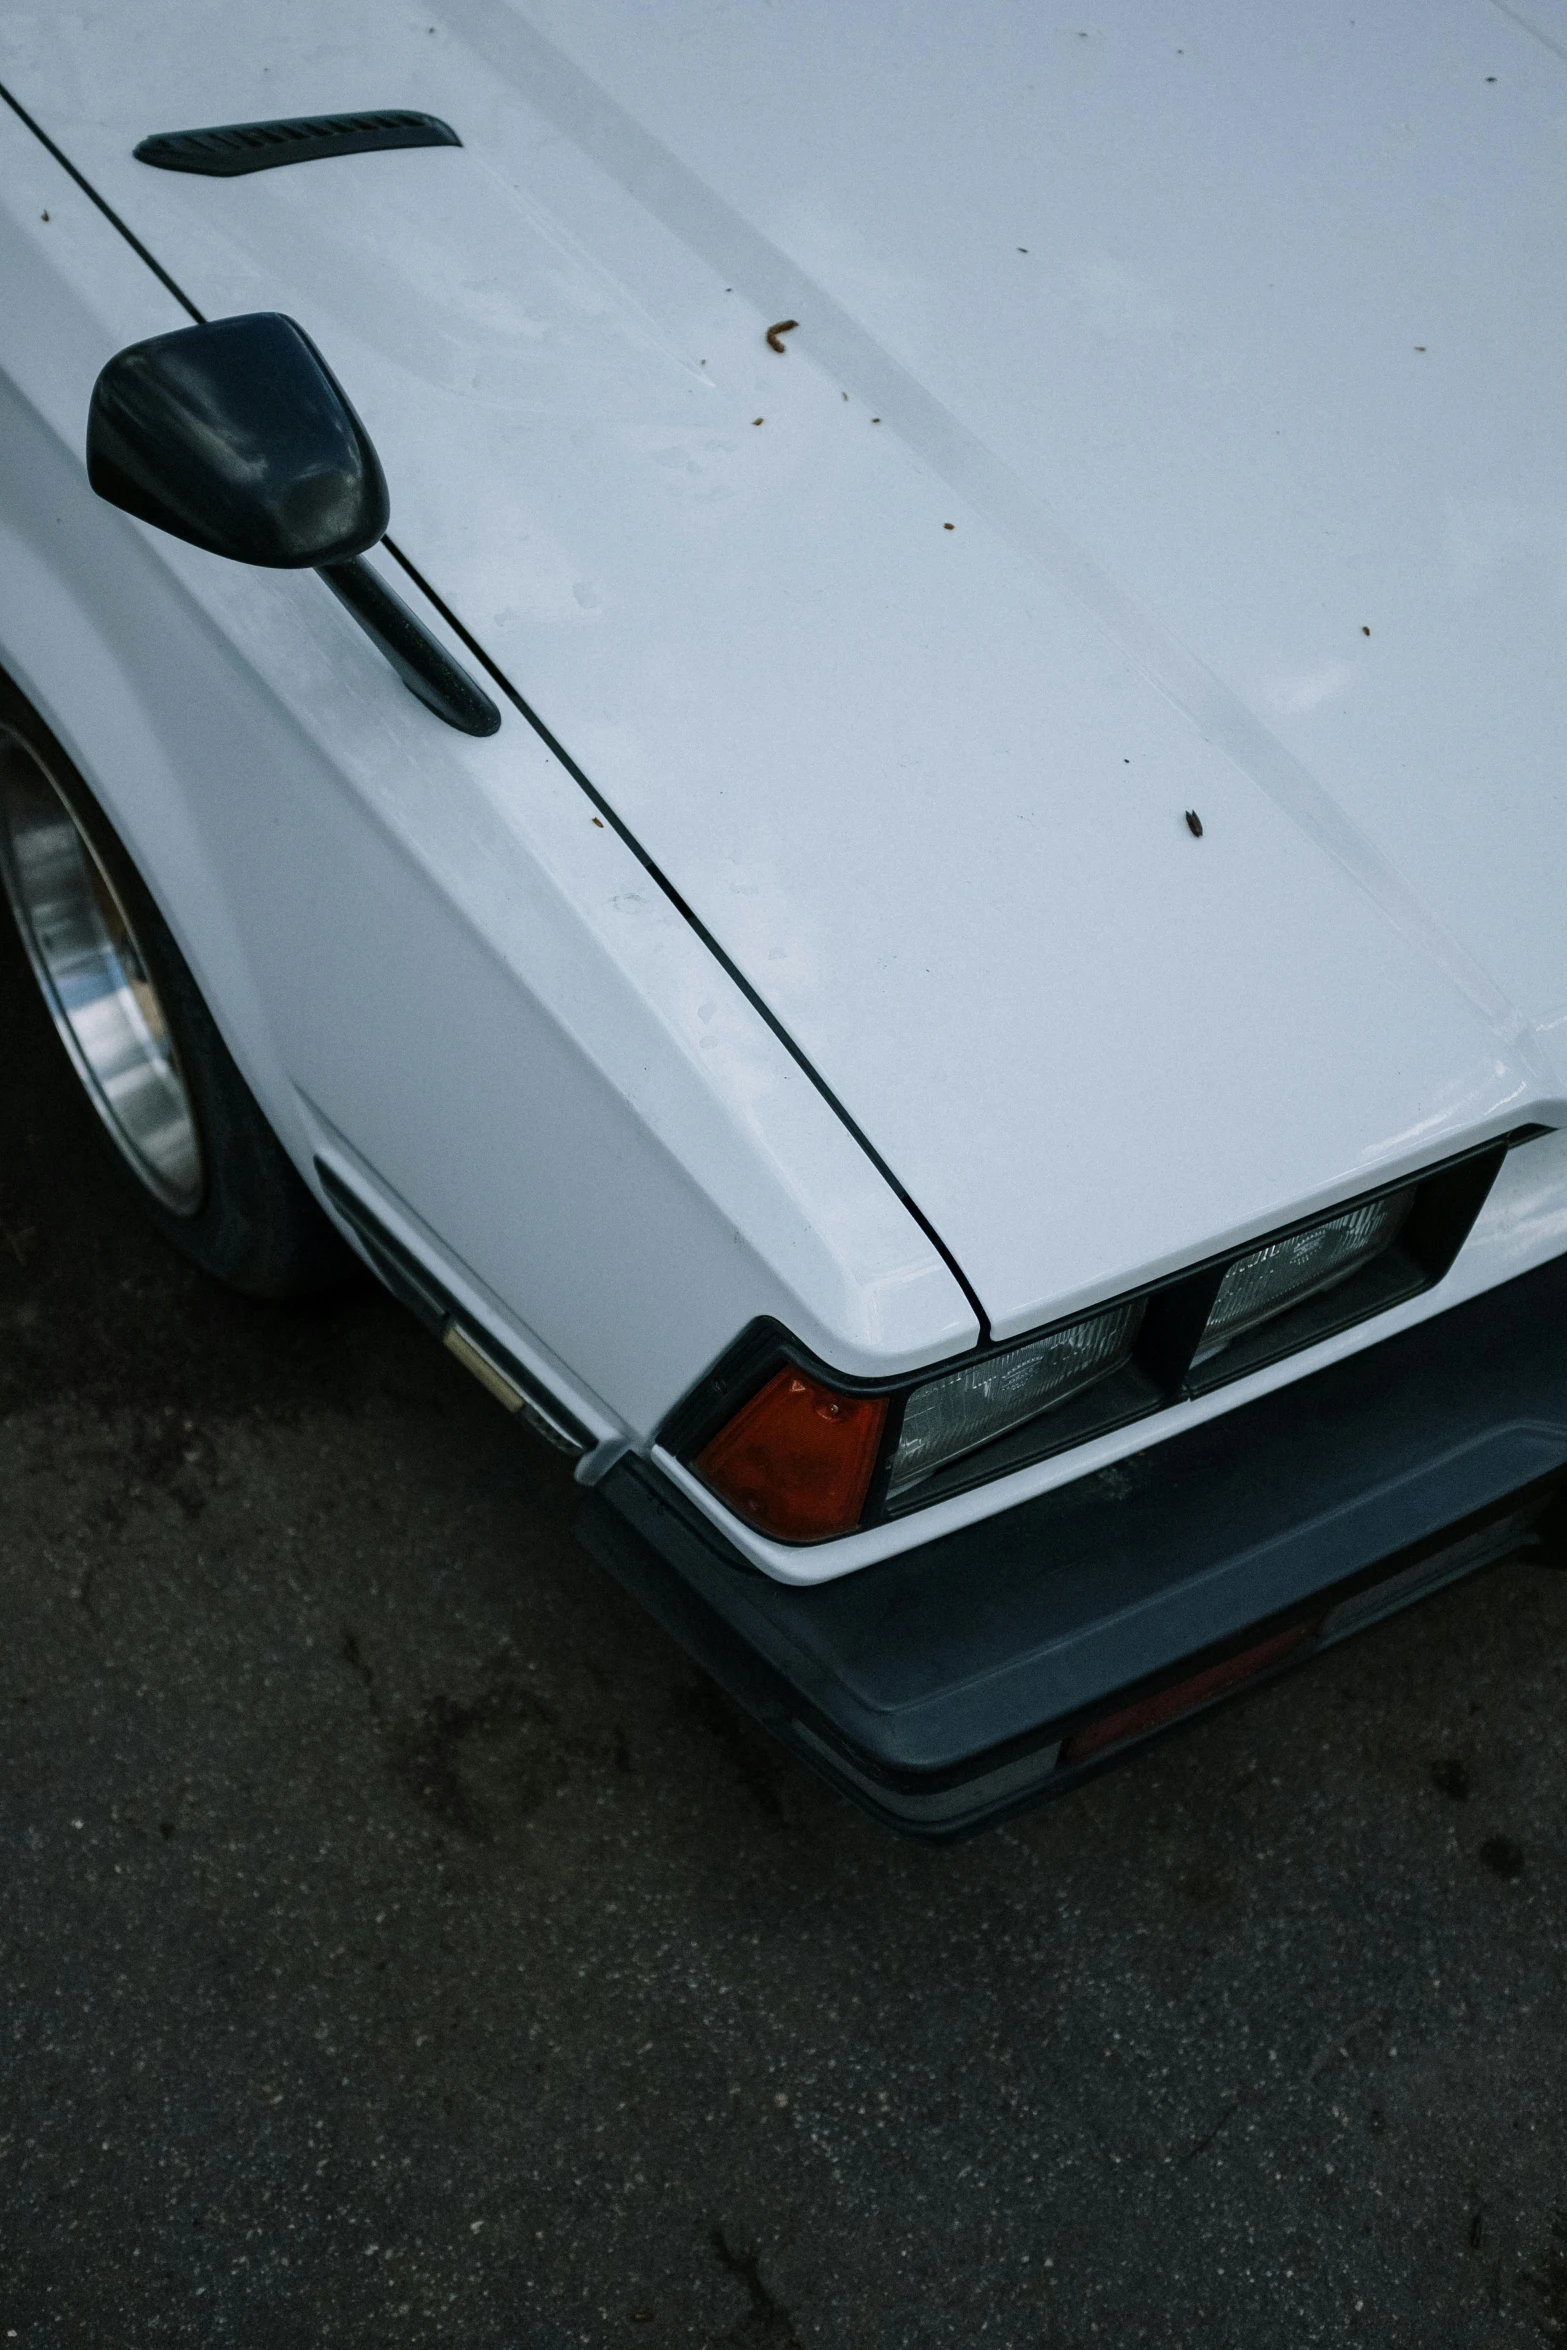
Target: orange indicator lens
[796,1460]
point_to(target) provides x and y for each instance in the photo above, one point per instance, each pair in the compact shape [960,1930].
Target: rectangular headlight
[805,1454]
[968,1408]
[1286,1272]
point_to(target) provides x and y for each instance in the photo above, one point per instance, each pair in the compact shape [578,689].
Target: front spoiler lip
[936,1687]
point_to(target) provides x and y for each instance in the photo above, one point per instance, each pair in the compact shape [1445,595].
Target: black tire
[244,1215]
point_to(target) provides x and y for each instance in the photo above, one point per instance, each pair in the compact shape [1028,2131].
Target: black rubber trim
[230,149]
[964,1657]
[656,873]
[93,197]
[398,1267]
[416,1287]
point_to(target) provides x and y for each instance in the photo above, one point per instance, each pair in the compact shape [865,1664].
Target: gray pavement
[401,1941]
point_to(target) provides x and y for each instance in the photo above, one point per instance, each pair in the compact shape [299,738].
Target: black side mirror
[237,437]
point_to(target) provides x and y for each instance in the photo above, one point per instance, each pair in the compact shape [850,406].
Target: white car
[954,970]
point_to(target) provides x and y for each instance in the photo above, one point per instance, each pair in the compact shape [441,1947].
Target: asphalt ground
[402,1942]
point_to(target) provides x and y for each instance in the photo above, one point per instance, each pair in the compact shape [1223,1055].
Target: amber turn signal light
[795,1461]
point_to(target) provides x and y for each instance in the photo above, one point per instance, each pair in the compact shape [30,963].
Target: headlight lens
[1262,1284]
[969,1407]
[806,1456]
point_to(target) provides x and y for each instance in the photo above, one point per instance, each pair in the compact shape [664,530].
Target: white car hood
[1221,466]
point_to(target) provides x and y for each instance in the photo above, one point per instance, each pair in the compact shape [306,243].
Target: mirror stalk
[235,435]
[424,666]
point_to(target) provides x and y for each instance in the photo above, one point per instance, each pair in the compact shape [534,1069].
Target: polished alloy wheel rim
[87,960]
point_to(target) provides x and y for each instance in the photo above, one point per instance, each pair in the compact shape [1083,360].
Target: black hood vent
[231,148]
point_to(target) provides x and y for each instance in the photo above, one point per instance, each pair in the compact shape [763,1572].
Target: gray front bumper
[944,1687]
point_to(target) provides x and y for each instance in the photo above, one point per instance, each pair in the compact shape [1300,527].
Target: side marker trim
[414,1286]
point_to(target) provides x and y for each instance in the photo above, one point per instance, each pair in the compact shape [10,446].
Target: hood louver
[232,148]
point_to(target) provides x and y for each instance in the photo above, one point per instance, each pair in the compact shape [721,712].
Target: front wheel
[209,1171]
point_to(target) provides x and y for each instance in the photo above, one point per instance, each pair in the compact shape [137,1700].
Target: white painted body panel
[925,786]
[421,942]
